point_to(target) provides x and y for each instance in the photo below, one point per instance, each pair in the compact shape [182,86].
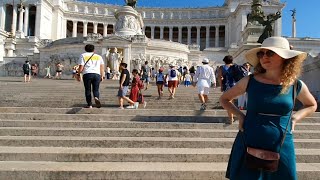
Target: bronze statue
[267,32]
[131,3]
[257,17]
[294,11]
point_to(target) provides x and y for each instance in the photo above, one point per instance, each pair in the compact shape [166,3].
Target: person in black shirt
[124,85]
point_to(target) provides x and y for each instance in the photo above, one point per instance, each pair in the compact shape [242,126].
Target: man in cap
[203,78]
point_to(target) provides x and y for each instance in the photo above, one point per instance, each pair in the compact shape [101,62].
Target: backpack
[144,71]
[237,72]
[160,77]
[173,73]
[228,80]
[26,67]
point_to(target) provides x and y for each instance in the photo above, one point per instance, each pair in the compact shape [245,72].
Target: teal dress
[265,132]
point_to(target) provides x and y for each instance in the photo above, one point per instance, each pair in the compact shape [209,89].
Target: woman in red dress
[135,88]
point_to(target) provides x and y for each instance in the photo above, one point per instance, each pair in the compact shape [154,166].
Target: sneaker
[136,105]
[97,101]
[203,107]
[121,108]
[89,107]
[130,107]
[144,104]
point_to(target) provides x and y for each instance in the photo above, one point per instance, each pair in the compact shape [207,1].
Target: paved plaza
[46,134]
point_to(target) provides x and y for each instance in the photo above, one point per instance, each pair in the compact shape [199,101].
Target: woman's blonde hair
[291,70]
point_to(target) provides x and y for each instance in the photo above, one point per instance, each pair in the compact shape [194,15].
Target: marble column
[21,11]
[294,31]
[144,30]
[161,32]
[38,26]
[14,21]
[152,32]
[217,37]
[198,35]
[180,34]
[170,33]
[2,15]
[74,30]
[226,44]
[26,20]
[105,29]
[95,27]
[85,28]
[189,35]
[114,28]
[207,36]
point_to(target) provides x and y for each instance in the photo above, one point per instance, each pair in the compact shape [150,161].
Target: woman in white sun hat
[270,102]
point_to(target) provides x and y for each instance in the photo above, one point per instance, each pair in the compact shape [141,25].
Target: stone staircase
[45,134]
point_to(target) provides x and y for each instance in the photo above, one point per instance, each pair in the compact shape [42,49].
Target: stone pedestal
[129,22]
[20,34]
[251,34]
[10,46]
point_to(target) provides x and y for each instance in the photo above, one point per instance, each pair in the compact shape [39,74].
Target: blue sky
[308,15]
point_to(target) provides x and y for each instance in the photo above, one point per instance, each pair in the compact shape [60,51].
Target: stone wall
[311,74]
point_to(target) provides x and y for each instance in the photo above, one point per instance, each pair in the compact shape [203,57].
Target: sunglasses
[268,53]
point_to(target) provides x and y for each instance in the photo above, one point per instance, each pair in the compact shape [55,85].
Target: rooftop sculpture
[131,3]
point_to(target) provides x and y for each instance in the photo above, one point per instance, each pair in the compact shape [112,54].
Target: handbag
[260,159]
[77,76]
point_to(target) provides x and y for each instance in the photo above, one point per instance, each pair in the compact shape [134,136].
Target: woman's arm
[228,96]
[309,105]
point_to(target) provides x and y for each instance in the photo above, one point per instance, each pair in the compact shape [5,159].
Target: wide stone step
[67,154]
[133,142]
[17,170]
[139,118]
[135,132]
[128,124]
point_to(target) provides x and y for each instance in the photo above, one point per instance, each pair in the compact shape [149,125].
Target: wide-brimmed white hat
[278,45]
[205,60]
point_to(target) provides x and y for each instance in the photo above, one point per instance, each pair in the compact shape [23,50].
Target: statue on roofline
[131,3]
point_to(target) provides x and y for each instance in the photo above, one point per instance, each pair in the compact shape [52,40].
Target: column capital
[74,21]
[85,22]
[198,27]
[179,27]
[189,27]
[170,27]
[217,26]
[95,23]
[105,24]
[208,26]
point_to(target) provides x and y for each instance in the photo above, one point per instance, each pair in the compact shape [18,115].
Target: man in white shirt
[92,67]
[204,77]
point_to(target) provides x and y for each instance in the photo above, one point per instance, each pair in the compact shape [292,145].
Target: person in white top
[242,100]
[92,67]
[203,78]
[173,80]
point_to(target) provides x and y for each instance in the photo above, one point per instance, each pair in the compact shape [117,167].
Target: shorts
[203,90]
[146,79]
[26,73]
[159,82]
[59,71]
[173,84]
[123,92]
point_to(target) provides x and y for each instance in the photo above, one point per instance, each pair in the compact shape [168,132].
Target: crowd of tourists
[263,147]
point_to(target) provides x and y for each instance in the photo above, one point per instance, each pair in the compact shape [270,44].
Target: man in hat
[173,80]
[204,77]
